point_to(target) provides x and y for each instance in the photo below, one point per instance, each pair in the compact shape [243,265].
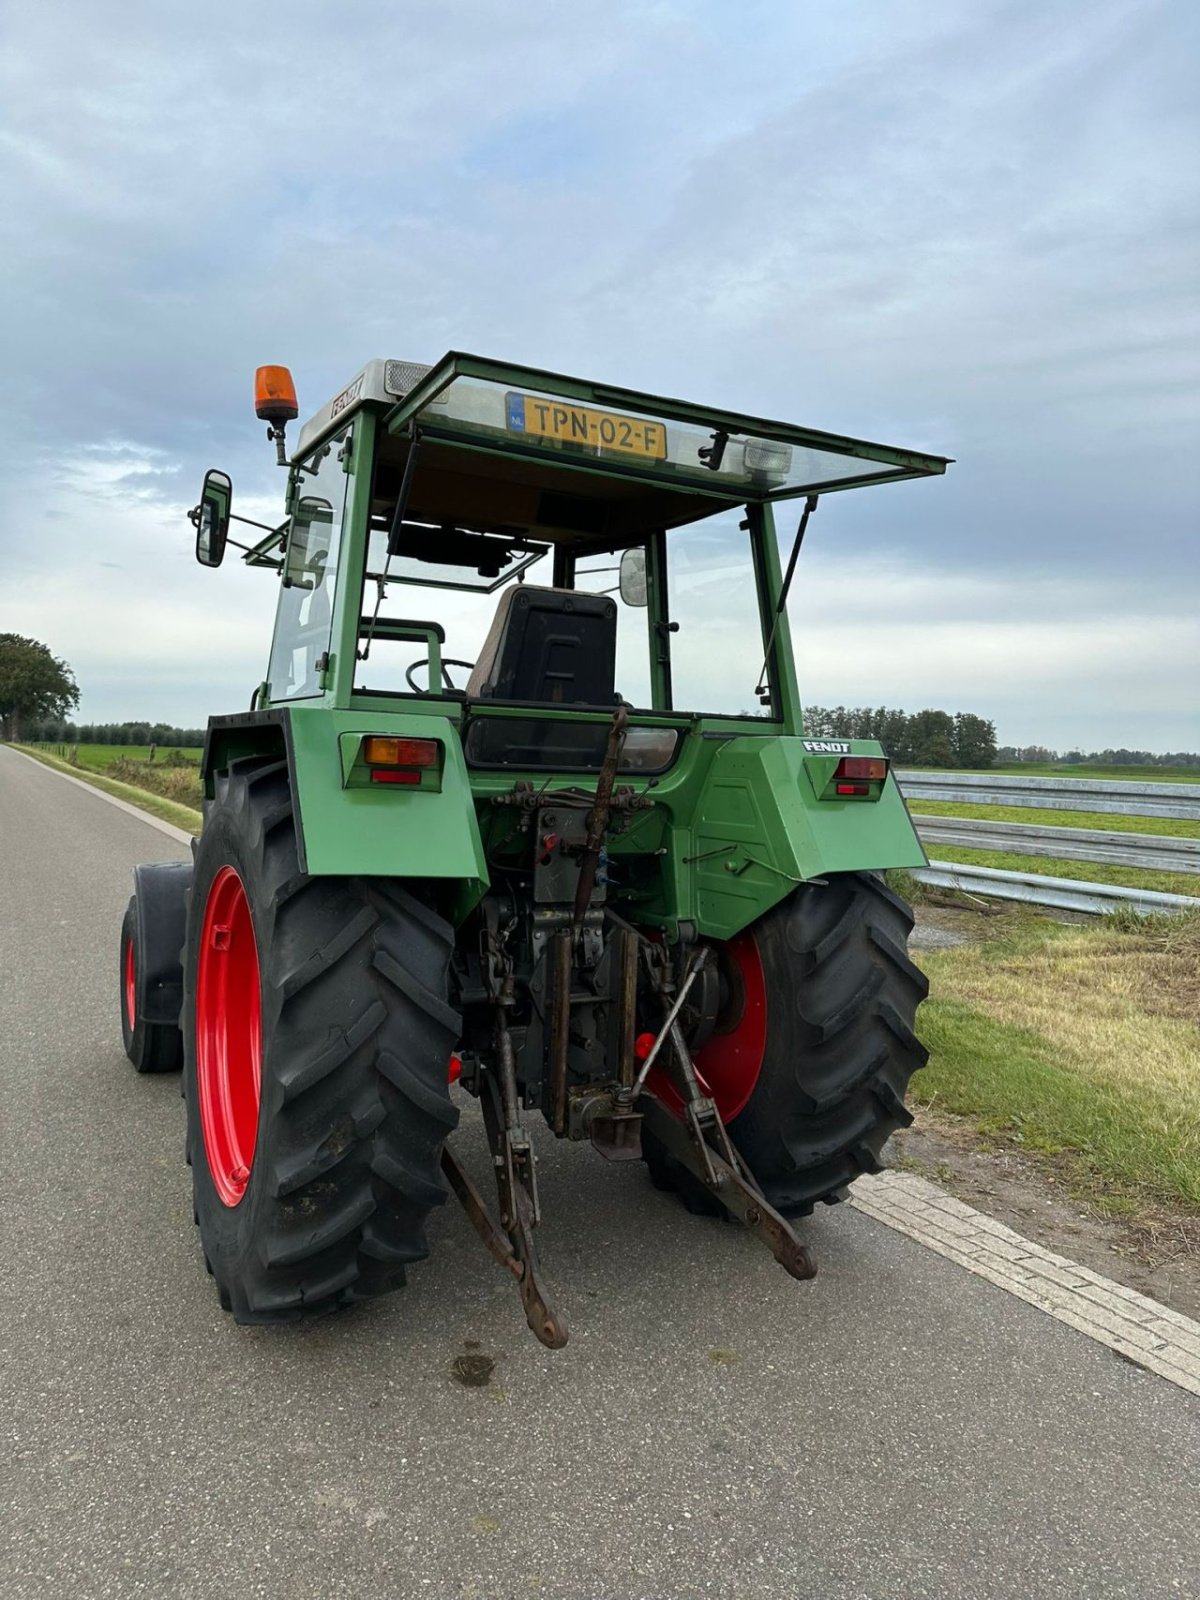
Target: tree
[974,741]
[33,683]
[932,738]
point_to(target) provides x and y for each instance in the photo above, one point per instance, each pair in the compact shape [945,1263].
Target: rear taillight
[412,753]
[395,775]
[868,769]
[399,761]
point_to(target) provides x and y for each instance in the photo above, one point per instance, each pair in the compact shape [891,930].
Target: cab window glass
[600,574]
[305,612]
[717,650]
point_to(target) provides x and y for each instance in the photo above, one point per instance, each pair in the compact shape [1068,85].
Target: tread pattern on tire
[842,997]
[357,1034]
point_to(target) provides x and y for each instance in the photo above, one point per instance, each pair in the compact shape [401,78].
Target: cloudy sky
[967,228]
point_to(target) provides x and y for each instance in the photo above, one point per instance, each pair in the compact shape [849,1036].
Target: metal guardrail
[1064,894]
[1180,801]
[1156,851]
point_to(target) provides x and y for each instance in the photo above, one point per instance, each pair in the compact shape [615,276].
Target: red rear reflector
[379,752]
[395,776]
[854,788]
[873,768]
[643,1045]
[455,1069]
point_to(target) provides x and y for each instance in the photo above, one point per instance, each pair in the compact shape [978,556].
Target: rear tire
[342,1166]
[151,1046]
[836,1045]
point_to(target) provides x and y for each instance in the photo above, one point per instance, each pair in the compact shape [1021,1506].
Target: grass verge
[181,816]
[1078,1043]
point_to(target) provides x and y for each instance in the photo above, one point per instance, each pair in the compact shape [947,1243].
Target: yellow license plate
[566,423]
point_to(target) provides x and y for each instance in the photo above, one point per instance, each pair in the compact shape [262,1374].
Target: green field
[100,756]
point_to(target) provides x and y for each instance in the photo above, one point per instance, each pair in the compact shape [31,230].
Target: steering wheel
[447,661]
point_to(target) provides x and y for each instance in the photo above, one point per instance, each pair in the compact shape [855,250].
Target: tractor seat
[549,646]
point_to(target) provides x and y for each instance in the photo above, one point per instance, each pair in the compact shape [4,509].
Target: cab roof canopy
[503,448]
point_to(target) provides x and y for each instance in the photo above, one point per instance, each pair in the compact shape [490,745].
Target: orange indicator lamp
[275,404]
[275,395]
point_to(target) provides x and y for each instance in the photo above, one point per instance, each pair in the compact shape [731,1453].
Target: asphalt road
[895,1428]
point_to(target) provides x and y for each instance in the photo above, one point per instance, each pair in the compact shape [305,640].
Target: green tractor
[497,847]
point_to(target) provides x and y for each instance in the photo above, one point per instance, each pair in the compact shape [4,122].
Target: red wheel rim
[729,1062]
[130,987]
[228,1036]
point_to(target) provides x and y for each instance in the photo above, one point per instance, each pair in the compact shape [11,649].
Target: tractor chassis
[612,1114]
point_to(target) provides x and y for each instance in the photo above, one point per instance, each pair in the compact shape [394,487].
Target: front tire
[811,1058]
[151,1046]
[317,1034]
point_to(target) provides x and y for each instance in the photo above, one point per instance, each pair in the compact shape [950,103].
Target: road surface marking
[1150,1334]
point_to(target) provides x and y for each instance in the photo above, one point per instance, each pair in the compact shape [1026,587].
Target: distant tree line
[159,733]
[914,739]
[1096,758]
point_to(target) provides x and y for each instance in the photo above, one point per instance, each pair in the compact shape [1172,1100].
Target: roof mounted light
[275,404]
[766,460]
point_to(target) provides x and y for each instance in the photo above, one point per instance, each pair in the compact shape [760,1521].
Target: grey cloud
[967,229]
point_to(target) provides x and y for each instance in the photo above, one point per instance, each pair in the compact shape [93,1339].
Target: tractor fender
[760,827]
[348,828]
[160,892]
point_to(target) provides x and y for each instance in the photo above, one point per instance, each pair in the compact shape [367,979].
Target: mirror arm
[259,554]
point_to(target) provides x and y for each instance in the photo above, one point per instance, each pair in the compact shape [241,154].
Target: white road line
[1135,1326]
[168,828]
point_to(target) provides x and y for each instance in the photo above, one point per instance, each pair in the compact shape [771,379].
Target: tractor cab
[512,494]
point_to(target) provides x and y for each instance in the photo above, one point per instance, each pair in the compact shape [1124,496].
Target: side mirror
[633,577]
[211,518]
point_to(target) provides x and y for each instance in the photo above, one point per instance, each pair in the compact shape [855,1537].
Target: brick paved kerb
[1150,1334]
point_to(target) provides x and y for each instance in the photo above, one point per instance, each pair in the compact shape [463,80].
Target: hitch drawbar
[698,1140]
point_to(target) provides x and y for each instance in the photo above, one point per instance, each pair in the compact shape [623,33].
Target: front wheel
[814,1045]
[151,1046]
[317,1033]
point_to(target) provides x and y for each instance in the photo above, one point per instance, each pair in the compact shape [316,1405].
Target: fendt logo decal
[348,396]
[827,747]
